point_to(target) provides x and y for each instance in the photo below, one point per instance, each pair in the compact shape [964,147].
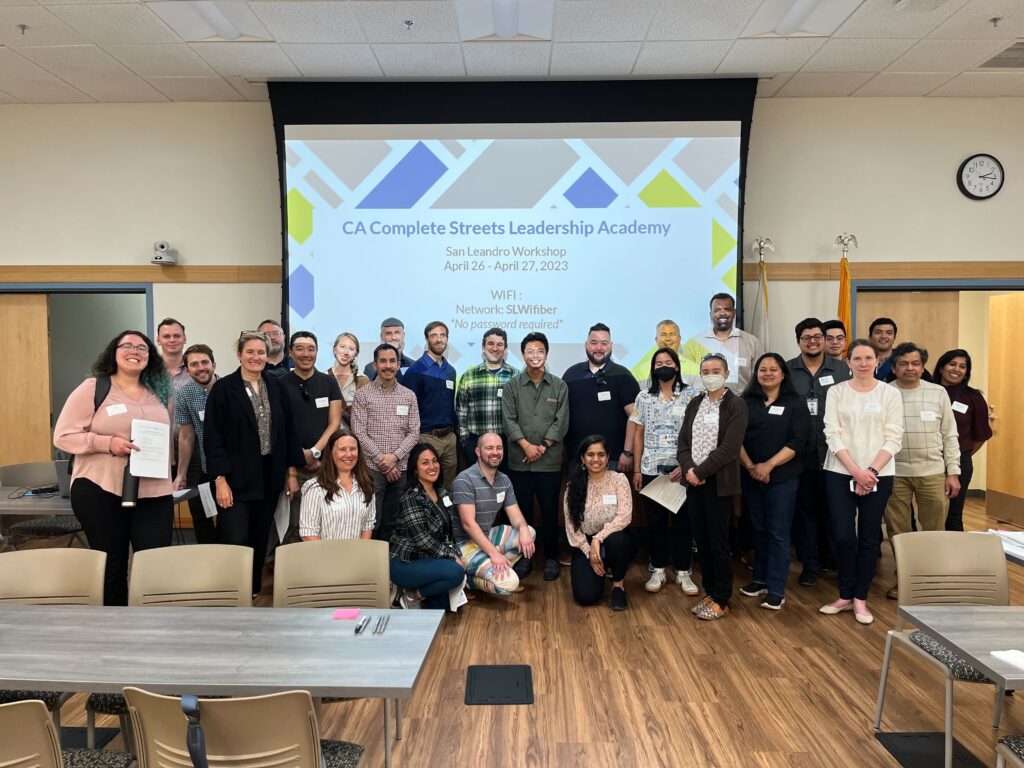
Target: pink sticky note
[346,613]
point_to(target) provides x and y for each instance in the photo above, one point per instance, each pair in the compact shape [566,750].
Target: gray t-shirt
[471,487]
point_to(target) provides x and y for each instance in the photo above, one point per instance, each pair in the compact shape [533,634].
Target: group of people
[819,445]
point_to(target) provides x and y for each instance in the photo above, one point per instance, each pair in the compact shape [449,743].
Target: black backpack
[102,390]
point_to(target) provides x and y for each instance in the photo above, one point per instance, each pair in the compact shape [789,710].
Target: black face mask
[665,373]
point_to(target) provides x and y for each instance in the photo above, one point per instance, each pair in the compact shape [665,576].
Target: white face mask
[712,382]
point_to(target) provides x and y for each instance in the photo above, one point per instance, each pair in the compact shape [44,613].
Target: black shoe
[807,578]
[619,600]
[754,589]
[523,567]
[551,570]
[773,602]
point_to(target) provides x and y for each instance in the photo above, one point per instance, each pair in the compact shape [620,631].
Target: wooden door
[930,319]
[1005,481]
[24,379]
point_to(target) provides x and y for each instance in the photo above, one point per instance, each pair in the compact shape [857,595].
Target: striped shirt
[487,500]
[190,408]
[386,421]
[346,516]
[478,400]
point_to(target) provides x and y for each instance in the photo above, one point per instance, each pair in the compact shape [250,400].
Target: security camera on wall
[163,253]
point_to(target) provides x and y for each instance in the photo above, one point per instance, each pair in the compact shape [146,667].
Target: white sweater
[863,423]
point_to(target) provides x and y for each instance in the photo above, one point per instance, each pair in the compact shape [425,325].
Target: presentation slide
[529,227]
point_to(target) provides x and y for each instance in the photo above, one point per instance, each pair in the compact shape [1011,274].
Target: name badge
[928,416]
[449,383]
[499,496]
[114,410]
[959,407]
[776,410]
[872,408]
[322,402]
[742,362]
[249,392]
[499,392]
[812,406]
[604,395]
[401,410]
[202,415]
[447,501]
[552,400]
[610,499]
[711,418]
[826,380]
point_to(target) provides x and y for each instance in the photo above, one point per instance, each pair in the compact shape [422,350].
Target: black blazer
[232,441]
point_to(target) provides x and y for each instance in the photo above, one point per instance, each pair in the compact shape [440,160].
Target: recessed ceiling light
[799,18]
[492,20]
[211,20]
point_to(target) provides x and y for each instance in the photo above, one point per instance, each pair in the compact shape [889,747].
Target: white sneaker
[683,580]
[657,580]
[407,601]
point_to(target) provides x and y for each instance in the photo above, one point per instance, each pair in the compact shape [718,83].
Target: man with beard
[738,347]
[432,380]
[882,332]
[392,331]
[278,363]
[189,413]
[601,398]
[478,398]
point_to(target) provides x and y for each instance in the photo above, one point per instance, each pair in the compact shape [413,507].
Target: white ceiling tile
[769,86]
[692,57]
[14,66]
[947,55]
[160,60]
[252,60]
[195,88]
[588,59]
[382,21]
[493,59]
[6,98]
[902,83]
[94,72]
[319,60]
[850,55]
[47,90]
[420,60]
[249,91]
[82,2]
[117,23]
[879,18]
[43,28]
[311,22]
[978,84]
[820,84]
[17,2]
[702,19]
[769,55]
[594,20]
[972,22]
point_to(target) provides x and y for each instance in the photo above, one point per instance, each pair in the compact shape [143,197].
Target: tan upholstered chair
[34,475]
[349,573]
[279,730]
[194,575]
[50,577]
[945,568]
[30,741]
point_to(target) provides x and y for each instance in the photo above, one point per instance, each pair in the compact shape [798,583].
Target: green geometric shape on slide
[722,243]
[300,216]
[642,369]
[729,278]
[665,192]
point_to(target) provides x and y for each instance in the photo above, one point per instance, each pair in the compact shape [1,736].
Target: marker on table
[363,622]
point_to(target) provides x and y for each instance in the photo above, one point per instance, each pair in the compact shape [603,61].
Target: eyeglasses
[129,347]
[815,337]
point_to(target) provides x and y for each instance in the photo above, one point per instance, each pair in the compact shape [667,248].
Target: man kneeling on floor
[496,556]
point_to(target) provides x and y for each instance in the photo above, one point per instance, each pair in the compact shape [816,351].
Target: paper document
[1016,658]
[282,515]
[663,491]
[457,596]
[154,441]
[1013,542]
[206,496]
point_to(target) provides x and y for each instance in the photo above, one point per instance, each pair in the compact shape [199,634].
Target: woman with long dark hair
[425,562]
[338,502]
[598,510]
[778,423]
[953,371]
[99,436]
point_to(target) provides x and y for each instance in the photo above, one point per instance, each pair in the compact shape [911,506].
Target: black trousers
[658,537]
[857,532]
[247,523]
[386,497]
[202,526]
[112,528]
[543,488]
[710,517]
[811,532]
[587,586]
[955,516]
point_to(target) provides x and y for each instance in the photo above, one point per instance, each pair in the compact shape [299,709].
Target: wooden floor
[655,687]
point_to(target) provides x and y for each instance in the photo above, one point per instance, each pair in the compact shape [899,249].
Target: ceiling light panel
[197,21]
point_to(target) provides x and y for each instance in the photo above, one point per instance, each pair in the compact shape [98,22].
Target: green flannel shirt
[478,400]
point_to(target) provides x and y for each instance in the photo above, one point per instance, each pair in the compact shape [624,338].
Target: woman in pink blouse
[100,439]
[598,510]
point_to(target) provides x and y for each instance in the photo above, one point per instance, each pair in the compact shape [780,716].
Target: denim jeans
[771,507]
[434,577]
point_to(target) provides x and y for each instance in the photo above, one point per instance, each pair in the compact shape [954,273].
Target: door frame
[145,288]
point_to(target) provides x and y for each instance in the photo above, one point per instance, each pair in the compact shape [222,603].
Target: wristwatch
[873,471]
[316,452]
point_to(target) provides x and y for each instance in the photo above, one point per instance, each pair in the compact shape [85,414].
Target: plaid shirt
[190,408]
[379,426]
[424,527]
[478,400]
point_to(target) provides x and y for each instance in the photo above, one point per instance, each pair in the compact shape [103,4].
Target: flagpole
[844,310]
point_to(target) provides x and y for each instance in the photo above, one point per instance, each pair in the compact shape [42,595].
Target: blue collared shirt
[434,387]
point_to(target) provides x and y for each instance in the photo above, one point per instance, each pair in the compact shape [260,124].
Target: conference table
[215,651]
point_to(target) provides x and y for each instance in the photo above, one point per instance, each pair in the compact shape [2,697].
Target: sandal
[712,611]
[696,607]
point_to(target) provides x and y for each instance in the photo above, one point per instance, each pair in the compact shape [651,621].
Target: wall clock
[980,177]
